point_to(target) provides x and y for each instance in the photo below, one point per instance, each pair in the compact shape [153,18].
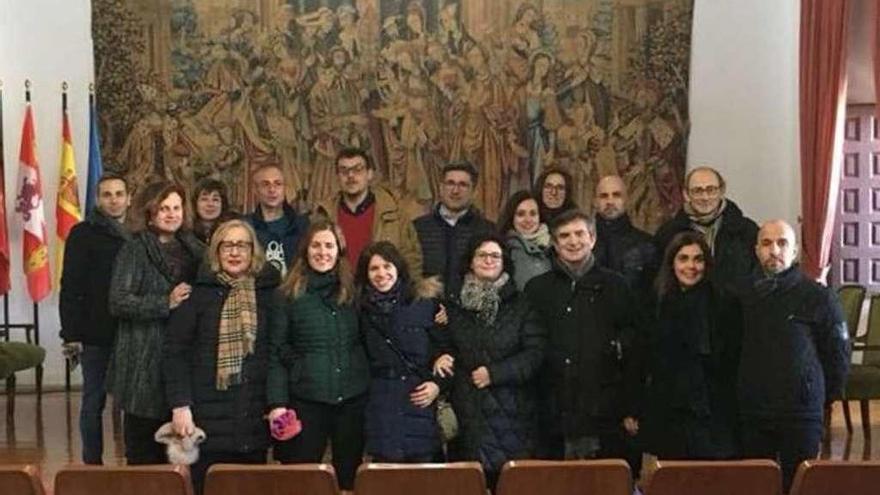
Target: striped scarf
[238,329]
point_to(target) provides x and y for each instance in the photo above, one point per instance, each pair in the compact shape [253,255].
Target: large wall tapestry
[195,88]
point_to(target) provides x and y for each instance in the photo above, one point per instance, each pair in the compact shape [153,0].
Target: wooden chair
[833,477]
[15,357]
[458,478]
[751,477]
[271,479]
[863,383]
[605,477]
[851,299]
[20,480]
[123,480]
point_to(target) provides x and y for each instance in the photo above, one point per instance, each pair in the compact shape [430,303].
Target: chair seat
[863,382]
[17,356]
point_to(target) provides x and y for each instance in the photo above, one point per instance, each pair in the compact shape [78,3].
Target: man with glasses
[590,374]
[277,224]
[444,233]
[729,234]
[368,213]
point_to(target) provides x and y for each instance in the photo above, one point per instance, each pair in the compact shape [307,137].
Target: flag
[29,203]
[67,211]
[4,232]
[96,167]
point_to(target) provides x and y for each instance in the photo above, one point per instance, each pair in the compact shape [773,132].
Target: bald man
[729,234]
[795,355]
[619,245]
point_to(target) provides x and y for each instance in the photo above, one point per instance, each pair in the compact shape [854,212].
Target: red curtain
[822,109]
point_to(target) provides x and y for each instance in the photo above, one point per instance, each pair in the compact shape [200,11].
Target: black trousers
[140,444]
[199,470]
[342,424]
[788,442]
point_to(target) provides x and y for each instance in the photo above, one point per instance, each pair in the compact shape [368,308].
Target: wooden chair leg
[847,418]
[39,373]
[866,417]
[10,397]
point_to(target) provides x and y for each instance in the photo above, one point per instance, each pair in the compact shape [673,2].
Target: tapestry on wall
[194,88]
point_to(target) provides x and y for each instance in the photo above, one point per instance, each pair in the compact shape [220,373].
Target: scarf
[540,237]
[707,224]
[483,297]
[577,273]
[384,302]
[238,329]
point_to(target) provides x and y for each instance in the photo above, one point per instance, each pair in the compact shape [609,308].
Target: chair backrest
[844,477]
[606,477]
[459,478]
[752,477]
[271,479]
[872,336]
[17,479]
[127,480]
[851,299]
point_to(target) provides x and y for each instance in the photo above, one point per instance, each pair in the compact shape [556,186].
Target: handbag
[447,421]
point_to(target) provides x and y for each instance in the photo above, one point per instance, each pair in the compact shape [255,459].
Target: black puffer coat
[627,250]
[232,418]
[690,402]
[498,423]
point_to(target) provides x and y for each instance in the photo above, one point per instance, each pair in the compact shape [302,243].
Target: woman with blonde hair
[318,366]
[216,353]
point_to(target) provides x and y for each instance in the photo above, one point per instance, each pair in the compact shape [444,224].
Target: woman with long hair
[217,352]
[151,277]
[527,237]
[318,366]
[211,208]
[694,352]
[397,322]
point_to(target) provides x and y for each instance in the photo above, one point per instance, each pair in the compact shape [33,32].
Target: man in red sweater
[367,213]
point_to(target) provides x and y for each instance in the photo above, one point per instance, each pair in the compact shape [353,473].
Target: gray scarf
[707,224]
[483,297]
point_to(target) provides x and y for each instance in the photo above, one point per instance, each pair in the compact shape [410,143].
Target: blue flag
[96,167]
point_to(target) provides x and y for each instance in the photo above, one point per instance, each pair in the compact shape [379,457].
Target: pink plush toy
[286,426]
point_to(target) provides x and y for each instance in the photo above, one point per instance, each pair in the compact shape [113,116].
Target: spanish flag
[67,210]
[29,203]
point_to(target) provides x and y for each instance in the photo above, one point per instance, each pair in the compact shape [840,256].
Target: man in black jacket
[619,245]
[795,355]
[590,370]
[444,233]
[87,328]
[729,234]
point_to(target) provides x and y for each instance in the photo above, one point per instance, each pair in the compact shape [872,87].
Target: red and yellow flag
[67,211]
[29,203]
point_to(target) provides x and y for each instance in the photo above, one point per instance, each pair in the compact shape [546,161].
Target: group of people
[554,335]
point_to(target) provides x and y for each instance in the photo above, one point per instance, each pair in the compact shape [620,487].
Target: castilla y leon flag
[29,203]
[67,212]
[4,233]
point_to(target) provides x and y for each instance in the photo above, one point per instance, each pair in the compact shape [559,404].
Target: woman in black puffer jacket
[216,354]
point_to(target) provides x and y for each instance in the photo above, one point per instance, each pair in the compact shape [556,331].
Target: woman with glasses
[496,348]
[554,188]
[217,352]
[528,238]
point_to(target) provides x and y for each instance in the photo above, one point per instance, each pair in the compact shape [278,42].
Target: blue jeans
[94,361]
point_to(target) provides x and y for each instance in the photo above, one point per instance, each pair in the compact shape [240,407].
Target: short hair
[505,221]
[258,256]
[266,166]
[666,282]
[475,242]
[687,178]
[209,185]
[108,176]
[347,153]
[153,195]
[573,215]
[462,166]
[389,252]
[538,190]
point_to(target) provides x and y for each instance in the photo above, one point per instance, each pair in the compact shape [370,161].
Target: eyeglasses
[554,187]
[227,247]
[484,256]
[451,184]
[708,191]
[356,170]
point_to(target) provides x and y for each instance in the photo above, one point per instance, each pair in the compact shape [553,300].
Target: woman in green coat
[318,366]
